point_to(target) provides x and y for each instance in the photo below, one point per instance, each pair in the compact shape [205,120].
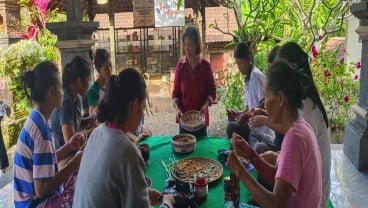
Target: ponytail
[120,91]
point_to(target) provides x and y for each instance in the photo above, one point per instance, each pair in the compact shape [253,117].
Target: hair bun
[27,78]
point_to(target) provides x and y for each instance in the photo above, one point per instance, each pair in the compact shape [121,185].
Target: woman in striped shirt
[37,181]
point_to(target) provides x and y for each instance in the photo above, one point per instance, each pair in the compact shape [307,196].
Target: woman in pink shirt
[297,176]
[194,84]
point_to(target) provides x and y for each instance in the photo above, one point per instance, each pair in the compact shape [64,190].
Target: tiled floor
[349,186]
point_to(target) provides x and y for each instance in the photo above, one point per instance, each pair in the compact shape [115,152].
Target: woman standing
[119,180]
[194,84]
[297,175]
[37,181]
[65,121]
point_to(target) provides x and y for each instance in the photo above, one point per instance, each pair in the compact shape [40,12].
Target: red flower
[358,65]
[356,77]
[31,33]
[343,49]
[346,98]
[327,73]
[314,51]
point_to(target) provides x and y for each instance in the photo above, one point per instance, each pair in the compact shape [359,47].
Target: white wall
[354,46]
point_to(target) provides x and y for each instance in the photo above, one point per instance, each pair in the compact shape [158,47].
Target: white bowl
[183,143]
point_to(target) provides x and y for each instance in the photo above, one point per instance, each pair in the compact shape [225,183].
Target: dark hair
[272,54]
[242,51]
[121,90]
[292,52]
[101,57]
[91,55]
[192,33]
[39,80]
[77,68]
[284,77]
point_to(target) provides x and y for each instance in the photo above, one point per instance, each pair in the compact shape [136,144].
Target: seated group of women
[282,131]
[55,166]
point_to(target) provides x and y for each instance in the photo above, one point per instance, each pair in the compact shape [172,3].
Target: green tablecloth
[160,148]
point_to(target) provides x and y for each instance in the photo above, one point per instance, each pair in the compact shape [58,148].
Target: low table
[160,148]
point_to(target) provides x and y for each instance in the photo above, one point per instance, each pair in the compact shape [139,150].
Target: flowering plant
[338,84]
[14,61]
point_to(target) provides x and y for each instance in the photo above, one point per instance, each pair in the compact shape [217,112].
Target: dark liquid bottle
[236,190]
[231,192]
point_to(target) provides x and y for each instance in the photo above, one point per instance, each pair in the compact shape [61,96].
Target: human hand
[88,122]
[259,111]
[178,113]
[241,147]
[168,199]
[77,159]
[257,121]
[243,118]
[133,138]
[77,141]
[154,197]
[234,164]
[232,114]
[270,157]
[146,132]
[204,109]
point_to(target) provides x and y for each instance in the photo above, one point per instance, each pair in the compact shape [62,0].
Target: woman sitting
[65,121]
[37,181]
[118,169]
[297,175]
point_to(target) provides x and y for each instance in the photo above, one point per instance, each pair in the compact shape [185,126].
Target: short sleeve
[177,93]
[67,113]
[259,88]
[290,160]
[92,96]
[43,159]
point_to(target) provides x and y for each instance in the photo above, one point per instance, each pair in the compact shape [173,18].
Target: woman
[103,67]
[119,179]
[312,111]
[37,181]
[194,84]
[65,121]
[297,176]
[254,80]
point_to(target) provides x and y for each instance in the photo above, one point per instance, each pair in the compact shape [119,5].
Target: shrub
[338,86]
[14,61]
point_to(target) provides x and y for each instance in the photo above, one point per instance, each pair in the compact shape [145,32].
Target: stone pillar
[9,23]
[356,131]
[74,36]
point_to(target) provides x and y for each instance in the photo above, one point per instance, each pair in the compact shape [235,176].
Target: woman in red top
[194,84]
